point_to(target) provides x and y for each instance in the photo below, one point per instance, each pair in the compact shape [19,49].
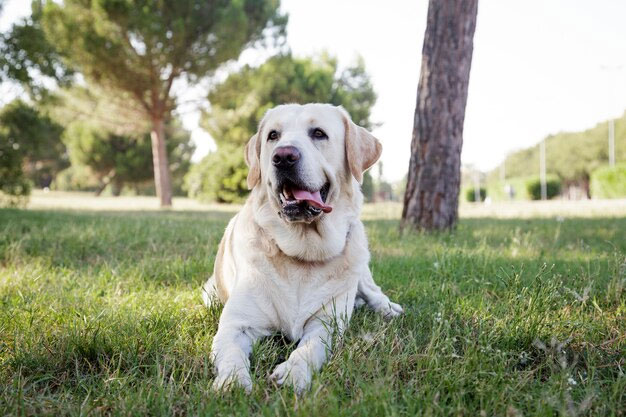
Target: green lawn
[101,314]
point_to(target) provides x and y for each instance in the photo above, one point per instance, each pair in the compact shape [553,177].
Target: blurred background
[88,90]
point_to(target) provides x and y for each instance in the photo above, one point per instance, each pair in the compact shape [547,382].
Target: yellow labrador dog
[295,258]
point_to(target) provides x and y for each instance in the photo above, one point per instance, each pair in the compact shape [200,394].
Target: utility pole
[612,143]
[610,82]
[542,169]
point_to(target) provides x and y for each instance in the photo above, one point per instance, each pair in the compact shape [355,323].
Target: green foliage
[121,159]
[141,46]
[470,194]
[367,187]
[106,110]
[77,178]
[553,188]
[571,156]
[101,314]
[110,157]
[239,103]
[14,185]
[37,135]
[607,182]
[27,57]
[219,176]
[109,143]
[31,150]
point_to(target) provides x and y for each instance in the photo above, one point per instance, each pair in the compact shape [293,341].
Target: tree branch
[168,84]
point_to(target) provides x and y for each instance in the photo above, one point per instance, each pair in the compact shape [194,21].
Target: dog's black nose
[285,156]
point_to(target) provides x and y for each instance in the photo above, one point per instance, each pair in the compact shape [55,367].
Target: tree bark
[162,181]
[432,191]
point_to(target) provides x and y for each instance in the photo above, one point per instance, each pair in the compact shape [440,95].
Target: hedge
[553,188]
[471,196]
[609,182]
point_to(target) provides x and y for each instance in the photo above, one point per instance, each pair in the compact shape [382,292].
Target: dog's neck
[317,241]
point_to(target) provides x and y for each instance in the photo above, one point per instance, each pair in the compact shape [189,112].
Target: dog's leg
[375,298]
[231,349]
[209,292]
[315,344]
[359,301]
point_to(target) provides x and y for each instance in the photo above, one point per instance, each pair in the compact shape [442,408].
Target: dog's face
[303,154]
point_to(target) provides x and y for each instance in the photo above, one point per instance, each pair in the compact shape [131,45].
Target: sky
[539,67]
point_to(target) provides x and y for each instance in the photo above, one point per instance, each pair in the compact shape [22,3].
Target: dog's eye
[273,135]
[318,133]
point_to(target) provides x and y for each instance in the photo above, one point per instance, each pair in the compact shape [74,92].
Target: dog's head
[304,155]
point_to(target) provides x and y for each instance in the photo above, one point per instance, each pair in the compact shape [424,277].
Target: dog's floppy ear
[362,148]
[252,155]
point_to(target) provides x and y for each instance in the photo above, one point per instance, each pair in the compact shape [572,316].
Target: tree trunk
[162,181]
[432,191]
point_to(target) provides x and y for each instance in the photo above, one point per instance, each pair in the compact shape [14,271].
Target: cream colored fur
[300,278]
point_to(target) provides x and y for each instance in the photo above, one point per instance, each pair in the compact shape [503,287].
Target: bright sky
[539,67]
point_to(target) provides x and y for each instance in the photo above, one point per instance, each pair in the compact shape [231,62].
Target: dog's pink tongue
[315,199]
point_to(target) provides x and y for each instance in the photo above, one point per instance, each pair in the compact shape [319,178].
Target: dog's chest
[303,289]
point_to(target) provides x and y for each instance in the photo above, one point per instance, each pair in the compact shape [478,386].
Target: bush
[220,176]
[553,188]
[13,183]
[367,187]
[470,194]
[28,139]
[609,182]
[76,178]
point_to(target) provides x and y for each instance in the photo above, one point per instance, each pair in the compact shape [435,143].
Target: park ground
[518,312]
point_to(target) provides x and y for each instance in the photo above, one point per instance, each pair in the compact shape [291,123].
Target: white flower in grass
[571,381]
[368,337]
[438,317]
[524,357]
[436,265]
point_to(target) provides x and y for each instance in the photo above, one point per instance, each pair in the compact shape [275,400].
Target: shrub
[220,176]
[553,188]
[13,183]
[28,139]
[609,182]
[76,178]
[470,194]
[367,187]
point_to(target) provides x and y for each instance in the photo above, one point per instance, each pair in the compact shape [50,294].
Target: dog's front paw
[387,308]
[295,372]
[392,310]
[227,380]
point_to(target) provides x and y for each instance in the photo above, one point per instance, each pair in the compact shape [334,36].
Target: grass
[101,314]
